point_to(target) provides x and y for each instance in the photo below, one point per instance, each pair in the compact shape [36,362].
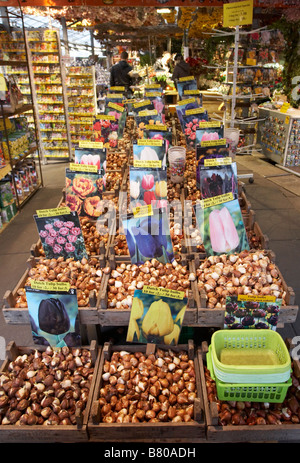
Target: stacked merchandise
[82,104]
[49,79]
[155,378]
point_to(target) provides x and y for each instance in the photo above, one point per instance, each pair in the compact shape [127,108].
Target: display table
[279,136]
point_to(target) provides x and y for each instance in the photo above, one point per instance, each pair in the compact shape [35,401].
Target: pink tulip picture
[223,233]
[210,136]
[148,182]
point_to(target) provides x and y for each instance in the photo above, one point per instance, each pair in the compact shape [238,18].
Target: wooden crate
[56,433]
[192,431]
[20,316]
[216,433]
[120,317]
[214,317]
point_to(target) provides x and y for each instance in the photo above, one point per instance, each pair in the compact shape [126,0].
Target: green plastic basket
[259,341]
[274,393]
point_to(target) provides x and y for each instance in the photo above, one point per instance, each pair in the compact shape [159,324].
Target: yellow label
[238,13]
[151,164]
[90,144]
[217,162]
[287,120]
[191,92]
[143,211]
[153,94]
[114,95]
[152,86]
[251,61]
[187,101]
[254,298]
[130,100]
[83,168]
[189,112]
[141,103]
[156,127]
[205,125]
[117,88]
[149,142]
[209,202]
[184,79]
[116,106]
[148,113]
[284,107]
[50,285]
[3,86]
[163,292]
[53,212]
[105,117]
[221,141]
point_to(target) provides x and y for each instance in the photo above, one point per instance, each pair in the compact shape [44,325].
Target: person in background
[181,69]
[120,74]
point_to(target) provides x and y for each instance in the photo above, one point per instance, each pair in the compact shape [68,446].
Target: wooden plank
[120,317]
[56,433]
[193,431]
[20,316]
[217,433]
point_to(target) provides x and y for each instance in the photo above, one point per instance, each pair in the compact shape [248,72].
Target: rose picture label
[53,212]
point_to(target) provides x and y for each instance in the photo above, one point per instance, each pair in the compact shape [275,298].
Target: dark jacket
[119,75]
[181,69]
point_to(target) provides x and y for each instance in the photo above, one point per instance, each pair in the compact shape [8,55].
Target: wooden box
[262,433]
[50,433]
[192,431]
[214,317]
[19,316]
[120,317]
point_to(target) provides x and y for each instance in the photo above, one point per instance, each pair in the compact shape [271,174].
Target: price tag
[50,285]
[217,162]
[254,298]
[143,211]
[105,117]
[184,79]
[145,164]
[83,168]
[152,86]
[221,141]
[149,142]
[209,202]
[187,101]
[90,144]
[210,124]
[163,292]
[153,94]
[251,61]
[191,92]
[156,127]
[53,212]
[285,107]
[152,112]
[117,88]
[142,103]
[189,112]
[114,95]
[116,106]
[238,13]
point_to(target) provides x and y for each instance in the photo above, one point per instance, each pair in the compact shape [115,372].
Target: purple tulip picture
[251,314]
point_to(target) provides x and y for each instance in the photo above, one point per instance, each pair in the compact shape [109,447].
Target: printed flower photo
[190,126]
[54,317]
[91,157]
[222,228]
[209,134]
[159,105]
[142,121]
[106,131]
[149,237]
[119,116]
[251,314]
[155,319]
[145,153]
[211,152]
[61,236]
[217,180]
[84,193]
[189,104]
[186,85]
[148,186]
[160,135]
